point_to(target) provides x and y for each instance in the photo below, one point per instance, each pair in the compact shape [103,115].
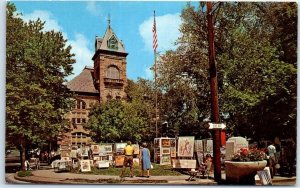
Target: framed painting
[120,148]
[199,145]
[173,152]
[119,160]
[165,150]
[95,149]
[165,160]
[186,146]
[173,142]
[165,142]
[85,165]
[209,146]
[108,148]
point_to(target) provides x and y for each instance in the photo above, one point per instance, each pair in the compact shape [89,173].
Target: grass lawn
[158,170]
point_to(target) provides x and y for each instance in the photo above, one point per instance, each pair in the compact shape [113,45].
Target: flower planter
[243,173]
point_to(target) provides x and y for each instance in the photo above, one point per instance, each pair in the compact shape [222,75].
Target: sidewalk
[50,177]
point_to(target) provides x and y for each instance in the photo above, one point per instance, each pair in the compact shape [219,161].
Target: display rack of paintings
[164,150]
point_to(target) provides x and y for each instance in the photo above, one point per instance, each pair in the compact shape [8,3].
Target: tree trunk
[23,155]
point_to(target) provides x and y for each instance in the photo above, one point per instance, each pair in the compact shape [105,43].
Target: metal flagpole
[155,84]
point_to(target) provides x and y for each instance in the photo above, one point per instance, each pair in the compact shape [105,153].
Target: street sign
[216,125]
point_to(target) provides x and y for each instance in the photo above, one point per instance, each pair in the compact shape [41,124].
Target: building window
[78,120]
[112,43]
[73,121]
[112,72]
[83,120]
[80,104]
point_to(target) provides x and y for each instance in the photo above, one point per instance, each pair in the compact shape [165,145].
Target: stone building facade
[104,81]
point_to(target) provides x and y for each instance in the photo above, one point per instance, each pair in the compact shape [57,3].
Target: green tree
[256,72]
[115,120]
[36,98]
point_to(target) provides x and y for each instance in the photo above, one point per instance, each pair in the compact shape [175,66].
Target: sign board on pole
[216,125]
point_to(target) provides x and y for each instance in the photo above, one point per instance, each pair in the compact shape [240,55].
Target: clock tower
[110,66]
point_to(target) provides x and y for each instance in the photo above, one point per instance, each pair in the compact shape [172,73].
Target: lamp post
[166,124]
[214,94]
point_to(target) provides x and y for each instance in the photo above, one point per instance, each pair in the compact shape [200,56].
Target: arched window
[112,72]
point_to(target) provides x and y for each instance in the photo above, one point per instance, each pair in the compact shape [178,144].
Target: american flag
[155,44]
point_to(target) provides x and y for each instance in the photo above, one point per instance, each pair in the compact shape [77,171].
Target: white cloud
[167,28]
[83,54]
[148,73]
[50,22]
[94,9]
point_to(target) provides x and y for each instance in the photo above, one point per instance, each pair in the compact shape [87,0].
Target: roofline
[124,54]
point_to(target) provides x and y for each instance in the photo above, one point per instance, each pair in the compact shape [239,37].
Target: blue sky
[81,21]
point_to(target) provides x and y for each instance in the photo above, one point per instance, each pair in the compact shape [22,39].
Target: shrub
[24,173]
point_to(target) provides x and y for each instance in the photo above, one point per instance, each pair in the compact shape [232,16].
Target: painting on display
[85,166]
[186,146]
[85,151]
[173,142]
[198,146]
[108,148]
[173,152]
[119,160]
[165,150]
[136,149]
[165,160]
[165,142]
[209,146]
[120,148]
[95,149]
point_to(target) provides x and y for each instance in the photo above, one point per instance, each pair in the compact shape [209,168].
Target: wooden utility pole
[214,95]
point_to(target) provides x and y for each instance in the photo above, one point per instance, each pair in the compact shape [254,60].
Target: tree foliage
[37,63]
[256,64]
[116,121]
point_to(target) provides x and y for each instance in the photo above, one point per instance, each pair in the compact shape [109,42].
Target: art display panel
[186,146]
[165,160]
[95,149]
[85,165]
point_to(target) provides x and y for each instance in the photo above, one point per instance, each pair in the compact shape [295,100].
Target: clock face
[113,43]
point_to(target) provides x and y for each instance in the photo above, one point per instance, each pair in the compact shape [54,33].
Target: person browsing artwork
[145,160]
[128,159]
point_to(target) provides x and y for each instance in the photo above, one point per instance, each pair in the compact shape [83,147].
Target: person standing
[128,159]
[145,160]
[272,158]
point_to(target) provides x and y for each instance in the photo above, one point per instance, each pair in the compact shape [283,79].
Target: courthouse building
[104,81]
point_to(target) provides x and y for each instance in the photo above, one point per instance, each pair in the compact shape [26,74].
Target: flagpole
[155,86]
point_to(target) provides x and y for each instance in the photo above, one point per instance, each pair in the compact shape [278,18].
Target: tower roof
[109,43]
